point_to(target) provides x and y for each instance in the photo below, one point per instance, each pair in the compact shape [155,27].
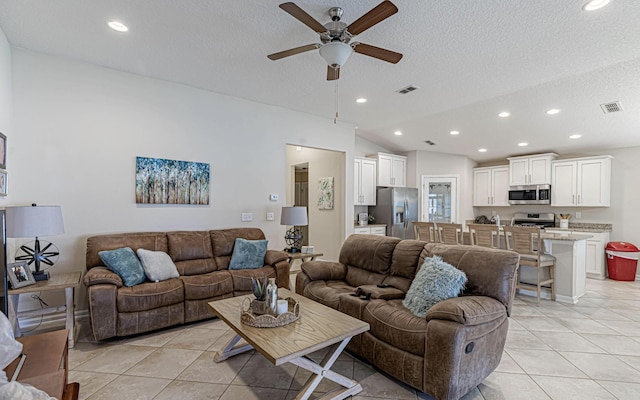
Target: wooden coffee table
[318,327]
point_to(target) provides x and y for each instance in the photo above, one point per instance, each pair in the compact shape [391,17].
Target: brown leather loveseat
[459,342]
[202,259]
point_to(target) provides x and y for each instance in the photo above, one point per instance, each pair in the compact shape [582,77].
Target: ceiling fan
[336,35]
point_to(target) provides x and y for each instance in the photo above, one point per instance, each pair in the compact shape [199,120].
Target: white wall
[326,227]
[78,129]
[6,101]
[430,163]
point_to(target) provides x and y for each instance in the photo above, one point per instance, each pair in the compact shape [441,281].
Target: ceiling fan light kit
[336,35]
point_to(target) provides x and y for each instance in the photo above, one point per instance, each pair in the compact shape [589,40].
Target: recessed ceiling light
[454,132]
[522,144]
[553,111]
[503,114]
[361,100]
[575,136]
[482,150]
[397,133]
[595,5]
[117,26]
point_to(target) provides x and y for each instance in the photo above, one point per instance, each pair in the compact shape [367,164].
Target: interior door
[440,198]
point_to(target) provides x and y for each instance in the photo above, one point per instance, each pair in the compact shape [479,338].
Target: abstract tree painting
[161,181]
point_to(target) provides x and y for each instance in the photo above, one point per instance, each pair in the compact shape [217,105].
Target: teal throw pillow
[124,263]
[248,254]
[435,281]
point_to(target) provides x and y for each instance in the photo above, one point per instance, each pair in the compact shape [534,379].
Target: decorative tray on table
[247,316]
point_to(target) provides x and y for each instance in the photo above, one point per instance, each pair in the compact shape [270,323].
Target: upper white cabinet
[392,170]
[364,178]
[583,182]
[531,170]
[491,186]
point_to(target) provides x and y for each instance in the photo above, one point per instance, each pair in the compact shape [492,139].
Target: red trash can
[622,261]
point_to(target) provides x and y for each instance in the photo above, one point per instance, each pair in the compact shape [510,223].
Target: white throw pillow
[157,265]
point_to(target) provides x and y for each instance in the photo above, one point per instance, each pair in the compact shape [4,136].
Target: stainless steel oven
[530,194]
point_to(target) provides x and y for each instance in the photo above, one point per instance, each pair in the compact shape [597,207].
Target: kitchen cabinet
[491,186]
[595,263]
[392,170]
[378,230]
[531,170]
[581,182]
[364,178]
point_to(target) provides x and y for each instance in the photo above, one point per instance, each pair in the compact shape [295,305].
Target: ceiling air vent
[407,89]
[611,107]
[429,142]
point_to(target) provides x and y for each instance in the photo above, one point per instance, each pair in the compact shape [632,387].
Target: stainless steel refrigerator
[397,207]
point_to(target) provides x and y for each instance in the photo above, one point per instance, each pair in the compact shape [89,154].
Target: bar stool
[528,242]
[449,233]
[485,235]
[425,231]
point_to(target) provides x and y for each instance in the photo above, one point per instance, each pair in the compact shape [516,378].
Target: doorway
[301,195]
[440,198]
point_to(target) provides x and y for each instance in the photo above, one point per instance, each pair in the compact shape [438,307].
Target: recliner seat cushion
[149,295]
[205,286]
[392,323]
[328,292]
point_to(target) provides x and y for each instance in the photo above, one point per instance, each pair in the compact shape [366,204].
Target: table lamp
[294,217]
[35,221]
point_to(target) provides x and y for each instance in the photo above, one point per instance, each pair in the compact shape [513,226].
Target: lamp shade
[335,53]
[294,216]
[34,221]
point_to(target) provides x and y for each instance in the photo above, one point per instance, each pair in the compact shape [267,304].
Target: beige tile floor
[590,350]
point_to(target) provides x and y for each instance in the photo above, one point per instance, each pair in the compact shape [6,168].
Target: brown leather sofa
[202,259]
[459,342]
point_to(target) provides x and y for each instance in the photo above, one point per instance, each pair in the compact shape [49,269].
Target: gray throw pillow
[435,281]
[157,265]
[124,262]
[248,254]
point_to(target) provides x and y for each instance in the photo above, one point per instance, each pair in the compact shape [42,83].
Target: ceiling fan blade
[377,14]
[302,16]
[333,73]
[377,52]
[294,51]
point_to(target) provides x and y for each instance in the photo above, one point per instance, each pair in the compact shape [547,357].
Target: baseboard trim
[49,321]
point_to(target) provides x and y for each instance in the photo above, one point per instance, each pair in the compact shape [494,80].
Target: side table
[67,281]
[303,256]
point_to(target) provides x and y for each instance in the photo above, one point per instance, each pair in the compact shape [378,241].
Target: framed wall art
[162,181]
[3,151]
[325,193]
[3,183]
[20,275]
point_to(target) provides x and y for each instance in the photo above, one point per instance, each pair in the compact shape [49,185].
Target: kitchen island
[570,251]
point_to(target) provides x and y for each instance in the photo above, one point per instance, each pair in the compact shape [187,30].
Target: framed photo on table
[20,275]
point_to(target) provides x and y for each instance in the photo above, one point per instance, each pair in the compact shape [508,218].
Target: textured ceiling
[470,59]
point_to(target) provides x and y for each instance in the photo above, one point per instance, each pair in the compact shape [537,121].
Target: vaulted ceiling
[469,59]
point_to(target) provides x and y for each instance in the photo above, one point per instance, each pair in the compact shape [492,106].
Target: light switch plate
[273,197]
[271,216]
[578,215]
[247,217]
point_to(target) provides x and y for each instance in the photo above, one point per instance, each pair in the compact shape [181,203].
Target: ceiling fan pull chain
[335,119]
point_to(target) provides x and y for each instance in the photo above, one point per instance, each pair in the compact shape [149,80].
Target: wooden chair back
[450,233]
[485,235]
[425,231]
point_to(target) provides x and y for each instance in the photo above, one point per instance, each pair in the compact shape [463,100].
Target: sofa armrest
[272,257]
[324,270]
[101,276]
[468,310]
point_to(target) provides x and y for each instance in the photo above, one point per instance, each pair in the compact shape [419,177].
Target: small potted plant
[259,288]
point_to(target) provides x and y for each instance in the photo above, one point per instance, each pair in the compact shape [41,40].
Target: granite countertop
[585,227]
[369,225]
[564,236]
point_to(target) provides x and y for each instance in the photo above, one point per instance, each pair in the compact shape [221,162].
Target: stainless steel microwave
[530,194]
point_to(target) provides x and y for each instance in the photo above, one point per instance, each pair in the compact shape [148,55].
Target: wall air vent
[429,142]
[614,106]
[407,89]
